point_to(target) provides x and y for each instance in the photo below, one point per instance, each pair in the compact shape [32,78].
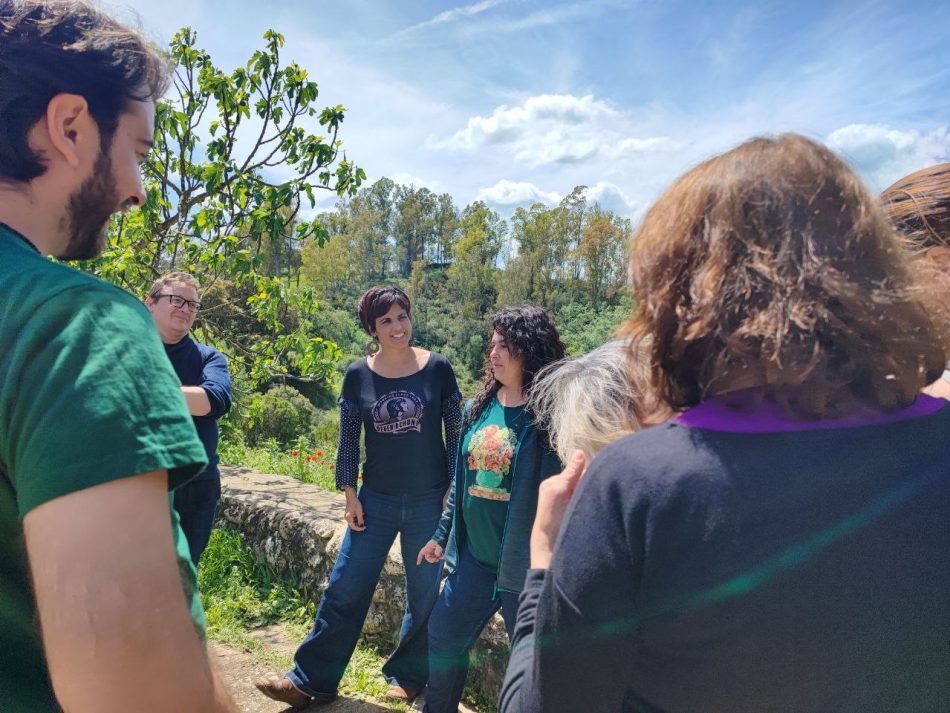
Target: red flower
[360,477]
[319,454]
[295,454]
[332,467]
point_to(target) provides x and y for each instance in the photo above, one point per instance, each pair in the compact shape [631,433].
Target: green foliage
[315,465]
[237,155]
[239,593]
[326,431]
[583,328]
[282,414]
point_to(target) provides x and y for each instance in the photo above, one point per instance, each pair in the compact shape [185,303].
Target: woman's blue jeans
[322,658]
[468,600]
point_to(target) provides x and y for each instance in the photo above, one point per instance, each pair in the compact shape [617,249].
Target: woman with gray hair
[589,401]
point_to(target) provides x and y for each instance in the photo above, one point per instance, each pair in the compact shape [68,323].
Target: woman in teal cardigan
[485,528]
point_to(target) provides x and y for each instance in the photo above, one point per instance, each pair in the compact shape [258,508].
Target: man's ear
[71,129]
[940,256]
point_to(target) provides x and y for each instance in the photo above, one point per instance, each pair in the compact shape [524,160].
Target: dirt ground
[240,668]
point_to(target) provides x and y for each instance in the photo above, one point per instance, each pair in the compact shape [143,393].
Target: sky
[517,101]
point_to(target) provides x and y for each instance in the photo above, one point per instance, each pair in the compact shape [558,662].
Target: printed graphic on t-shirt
[489,454]
[398,412]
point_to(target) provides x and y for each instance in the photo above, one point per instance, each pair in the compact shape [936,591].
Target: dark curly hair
[532,338]
[772,267]
[52,47]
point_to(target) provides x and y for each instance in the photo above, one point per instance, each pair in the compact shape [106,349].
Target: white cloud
[632,146]
[611,197]
[553,129]
[408,179]
[510,123]
[509,193]
[458,13]
[882,154]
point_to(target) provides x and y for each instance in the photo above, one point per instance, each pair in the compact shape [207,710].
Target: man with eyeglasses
[206,384]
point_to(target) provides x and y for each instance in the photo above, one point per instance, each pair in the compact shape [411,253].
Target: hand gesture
[431,553]
[354,514]
[553,497]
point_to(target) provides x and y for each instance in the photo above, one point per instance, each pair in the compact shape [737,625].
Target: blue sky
[517,101]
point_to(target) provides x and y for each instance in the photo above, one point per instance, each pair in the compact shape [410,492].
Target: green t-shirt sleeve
[95,399]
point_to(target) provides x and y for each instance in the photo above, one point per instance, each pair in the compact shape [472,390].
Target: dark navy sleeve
[575,641]
[348,447]
[451,418]
[216,381]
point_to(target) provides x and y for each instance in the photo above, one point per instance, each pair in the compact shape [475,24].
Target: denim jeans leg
[408,665]
[509,610]
[461,612]
[196,503]
[322,658]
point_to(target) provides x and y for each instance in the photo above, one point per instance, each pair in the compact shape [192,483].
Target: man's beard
[90,208]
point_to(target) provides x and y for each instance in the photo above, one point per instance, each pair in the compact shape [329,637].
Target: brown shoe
[281,689]
[407,693]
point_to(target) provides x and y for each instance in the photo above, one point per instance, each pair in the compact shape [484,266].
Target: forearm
[197,399]
[116,627]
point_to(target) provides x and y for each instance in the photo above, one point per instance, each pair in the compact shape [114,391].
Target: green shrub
[283,414]
[326,431]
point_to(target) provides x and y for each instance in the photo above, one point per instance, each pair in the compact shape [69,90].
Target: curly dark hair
[531,337]
[772,267]
[51,47]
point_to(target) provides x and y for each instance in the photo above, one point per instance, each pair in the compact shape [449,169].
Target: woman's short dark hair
[772,267]
[377,301]
[51,47]
[532,337]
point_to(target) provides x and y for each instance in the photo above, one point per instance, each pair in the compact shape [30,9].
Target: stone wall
[297,529]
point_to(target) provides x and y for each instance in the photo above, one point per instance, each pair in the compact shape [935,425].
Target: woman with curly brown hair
[784,543]
[484,531]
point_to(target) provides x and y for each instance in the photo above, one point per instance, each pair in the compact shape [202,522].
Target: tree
[234,162]
[602,249]
[415,226]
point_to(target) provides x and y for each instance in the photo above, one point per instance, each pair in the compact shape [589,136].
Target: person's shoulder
[663,456]
[439,363]
[356,369]
[360,364]
[67,292]
[209,352]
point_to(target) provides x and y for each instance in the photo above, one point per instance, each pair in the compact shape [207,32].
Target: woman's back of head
[918,206]
[594,399]
[772,267]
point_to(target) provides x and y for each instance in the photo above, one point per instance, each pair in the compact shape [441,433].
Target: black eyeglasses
[179,302]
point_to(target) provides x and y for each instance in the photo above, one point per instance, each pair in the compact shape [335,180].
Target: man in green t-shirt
[94,431]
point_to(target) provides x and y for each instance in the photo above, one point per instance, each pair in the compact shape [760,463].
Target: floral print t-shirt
[489,449]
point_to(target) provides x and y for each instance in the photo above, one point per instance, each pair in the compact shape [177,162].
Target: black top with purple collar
[402,419]
[741,561]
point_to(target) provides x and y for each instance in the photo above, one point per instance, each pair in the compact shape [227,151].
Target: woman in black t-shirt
[401,395]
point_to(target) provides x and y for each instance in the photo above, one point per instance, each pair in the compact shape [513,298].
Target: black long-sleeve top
[702,570]
[403,418]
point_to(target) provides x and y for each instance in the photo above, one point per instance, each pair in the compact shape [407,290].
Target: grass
[301,461]
[239,595]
